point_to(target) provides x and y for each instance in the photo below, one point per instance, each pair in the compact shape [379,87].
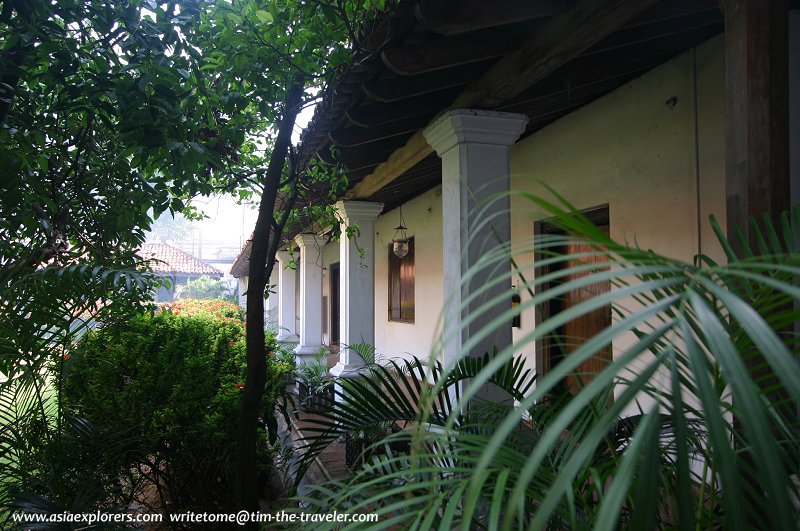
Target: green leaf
[265,17]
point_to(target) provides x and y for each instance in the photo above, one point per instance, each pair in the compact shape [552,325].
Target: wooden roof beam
[448,52]
[656,30]
[358,136]
[400,89]
[381,113]
[464,16]
[361,157]
[561,39]
[673,9]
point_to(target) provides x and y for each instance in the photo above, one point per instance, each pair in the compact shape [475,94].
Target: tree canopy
[112,113]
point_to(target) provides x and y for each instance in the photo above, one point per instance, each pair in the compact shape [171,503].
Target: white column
[356,282]
[474,148]
[286,306]
[271,307]
[310,295]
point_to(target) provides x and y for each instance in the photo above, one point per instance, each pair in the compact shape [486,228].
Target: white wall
[659,167]
[423,217]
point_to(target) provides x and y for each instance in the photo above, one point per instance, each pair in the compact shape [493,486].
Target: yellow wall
[660,168]
[423,217]
[629,150]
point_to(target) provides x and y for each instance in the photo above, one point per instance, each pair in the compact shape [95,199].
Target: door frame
[334,299]
[599,215]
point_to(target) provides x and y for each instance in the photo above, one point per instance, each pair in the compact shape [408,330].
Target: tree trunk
[264,245]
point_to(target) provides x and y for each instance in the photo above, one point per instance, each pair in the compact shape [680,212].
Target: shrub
[173,378]
[208,307]
[205,287]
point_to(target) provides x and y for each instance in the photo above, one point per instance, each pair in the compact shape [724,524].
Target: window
[401,285]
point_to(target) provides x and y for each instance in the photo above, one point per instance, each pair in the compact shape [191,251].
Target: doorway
[570,336]
[334,302]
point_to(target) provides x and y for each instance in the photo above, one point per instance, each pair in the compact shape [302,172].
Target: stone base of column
[341,370]
[305,353]
[285,337]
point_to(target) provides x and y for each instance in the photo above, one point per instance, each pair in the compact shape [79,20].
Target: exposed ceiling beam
[568,97]
[572,80]
[663,46]
[656,30]
[448,52]
[394,89]
[374,114]
[464,16]
[356,136]
[672,9]
[561,39]
[362,156]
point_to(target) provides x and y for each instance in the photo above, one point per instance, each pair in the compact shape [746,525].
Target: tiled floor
[330,464]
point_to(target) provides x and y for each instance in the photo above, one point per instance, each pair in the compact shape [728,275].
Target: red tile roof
[168,259]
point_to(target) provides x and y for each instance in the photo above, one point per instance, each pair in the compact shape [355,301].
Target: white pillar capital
[307,240]
[358,210]
[460,126]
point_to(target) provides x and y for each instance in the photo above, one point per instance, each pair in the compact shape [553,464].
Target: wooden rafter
[657,30]
[357,136]
[561,39]
[448,52]
[464,16]
[673,9]
[389,90]
[375,114]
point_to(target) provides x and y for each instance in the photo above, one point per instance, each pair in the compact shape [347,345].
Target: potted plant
[286,356]
[315,388]
[358,444]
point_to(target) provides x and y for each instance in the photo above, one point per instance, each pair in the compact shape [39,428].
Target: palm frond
[692,423]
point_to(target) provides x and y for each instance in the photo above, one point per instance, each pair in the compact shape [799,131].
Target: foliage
[692,425]
[176,227]
[366,352]
[161,101]
[101,126]
[97,98]
[209,307]
[50,459]
[204,287]
[174,380]
[314,374]
[269,58]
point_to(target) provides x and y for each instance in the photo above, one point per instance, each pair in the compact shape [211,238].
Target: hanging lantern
[400,240]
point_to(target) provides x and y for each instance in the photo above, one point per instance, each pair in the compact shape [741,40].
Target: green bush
[205,287]
[209,307]
[175,381]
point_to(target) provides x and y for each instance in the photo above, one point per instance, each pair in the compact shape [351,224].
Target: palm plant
[51,460]
[693,424]
[313,382]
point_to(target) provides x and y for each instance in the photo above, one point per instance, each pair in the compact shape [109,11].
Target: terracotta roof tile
[168,259]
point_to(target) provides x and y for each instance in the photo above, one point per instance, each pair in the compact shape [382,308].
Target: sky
[228,224]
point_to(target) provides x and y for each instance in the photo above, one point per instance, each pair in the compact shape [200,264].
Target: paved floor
[329,465]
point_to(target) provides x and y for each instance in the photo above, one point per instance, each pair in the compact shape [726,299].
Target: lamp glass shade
[400,247]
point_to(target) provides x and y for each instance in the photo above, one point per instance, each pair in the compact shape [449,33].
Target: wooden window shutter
[401,285]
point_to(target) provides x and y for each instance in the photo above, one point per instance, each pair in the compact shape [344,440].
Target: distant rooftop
[165,258]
